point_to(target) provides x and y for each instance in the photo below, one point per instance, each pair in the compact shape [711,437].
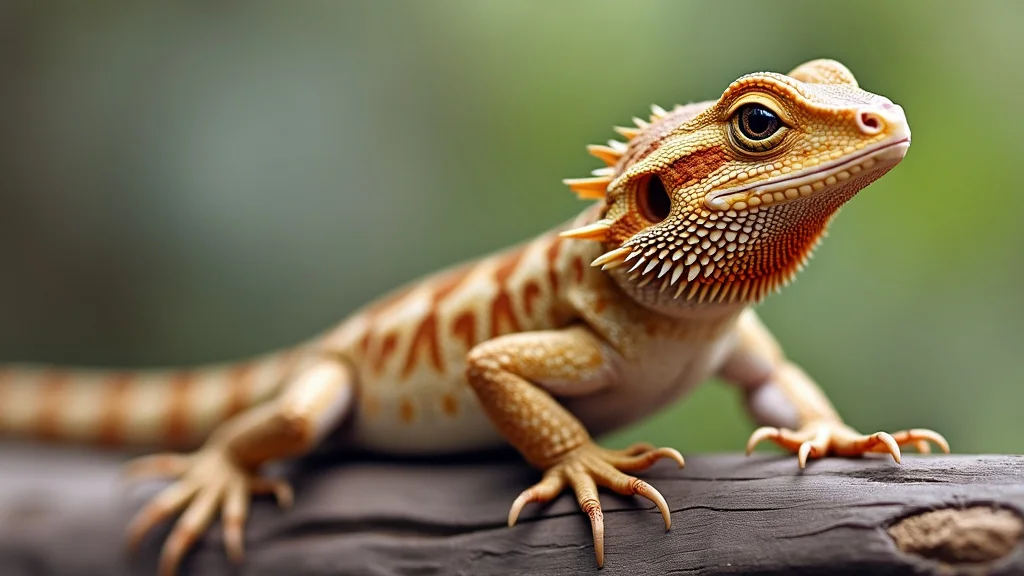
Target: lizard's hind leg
[222,475]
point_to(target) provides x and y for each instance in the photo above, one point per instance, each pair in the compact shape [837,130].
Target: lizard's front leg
[225,471]
[794,411]
[510,375]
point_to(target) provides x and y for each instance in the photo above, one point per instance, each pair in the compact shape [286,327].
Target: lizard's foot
[208,481]
[818,439]
[590,466]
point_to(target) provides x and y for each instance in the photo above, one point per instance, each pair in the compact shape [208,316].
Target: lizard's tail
[167,408]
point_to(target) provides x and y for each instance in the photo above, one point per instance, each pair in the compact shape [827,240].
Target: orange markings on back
[178,433]
[531,291]
[503,314]
[406,411]
[364,343]
[52,386]
[425,336]
[114,408]
[450,404]
[552,260]
[464,328]
[387,348]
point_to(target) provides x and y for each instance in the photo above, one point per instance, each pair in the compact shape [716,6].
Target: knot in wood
[959,535]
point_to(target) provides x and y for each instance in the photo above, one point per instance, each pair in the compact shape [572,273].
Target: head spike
[609,156]
[640,123]
[590,188]
[619,147]
[612,258]
[596,231]
[627,133]
[606,171]
[657,113]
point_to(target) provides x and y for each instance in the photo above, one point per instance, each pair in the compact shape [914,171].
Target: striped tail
[158,408]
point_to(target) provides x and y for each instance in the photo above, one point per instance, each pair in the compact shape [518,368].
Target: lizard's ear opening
[653,200]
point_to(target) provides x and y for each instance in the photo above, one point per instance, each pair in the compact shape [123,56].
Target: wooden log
[731,515]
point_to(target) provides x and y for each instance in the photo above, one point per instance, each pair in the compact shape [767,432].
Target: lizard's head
[724,201]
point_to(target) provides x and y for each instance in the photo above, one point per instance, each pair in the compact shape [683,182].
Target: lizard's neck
[649,297]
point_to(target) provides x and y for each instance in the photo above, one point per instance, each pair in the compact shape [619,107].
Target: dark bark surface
[731,515]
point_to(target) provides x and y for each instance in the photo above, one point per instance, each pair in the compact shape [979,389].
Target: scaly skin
[705,211]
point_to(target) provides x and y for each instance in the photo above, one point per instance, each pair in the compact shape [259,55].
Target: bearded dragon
[702,212]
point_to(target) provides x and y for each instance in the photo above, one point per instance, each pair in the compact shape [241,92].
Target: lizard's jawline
[873,159]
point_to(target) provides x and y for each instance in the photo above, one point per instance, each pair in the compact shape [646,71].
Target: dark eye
[758,122]
[756,128]
[653,200]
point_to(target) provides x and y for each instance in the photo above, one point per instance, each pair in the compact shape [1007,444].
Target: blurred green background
[193,182]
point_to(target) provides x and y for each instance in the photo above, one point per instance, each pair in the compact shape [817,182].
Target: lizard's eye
[653,200]
[755,128]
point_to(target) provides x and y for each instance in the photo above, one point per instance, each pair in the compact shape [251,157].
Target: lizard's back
[409,349]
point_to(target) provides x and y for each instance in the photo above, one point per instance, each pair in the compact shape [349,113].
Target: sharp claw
[285,495]
[674,455]
[587,467]
[890,443]
[597,528]
[547,489]
[760,435]
[923,447]
[651,493]
[805,450]
[933,436]
[281,490]
[517,506]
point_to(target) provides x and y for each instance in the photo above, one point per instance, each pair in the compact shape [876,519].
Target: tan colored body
[408,352]
[709,208]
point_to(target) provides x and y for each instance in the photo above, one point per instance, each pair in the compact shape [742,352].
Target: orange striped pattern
[167,408]
[114,408]
[53,387]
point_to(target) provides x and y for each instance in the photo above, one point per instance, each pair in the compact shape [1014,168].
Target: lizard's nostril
[870,123]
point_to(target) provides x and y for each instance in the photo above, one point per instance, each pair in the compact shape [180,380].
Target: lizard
[702,212]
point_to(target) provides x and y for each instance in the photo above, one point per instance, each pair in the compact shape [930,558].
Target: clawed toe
[209,482]
[588,467]
[818,439]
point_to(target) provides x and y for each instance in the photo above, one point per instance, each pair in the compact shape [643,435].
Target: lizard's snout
[883,118]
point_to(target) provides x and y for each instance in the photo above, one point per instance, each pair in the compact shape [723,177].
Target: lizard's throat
[729,257]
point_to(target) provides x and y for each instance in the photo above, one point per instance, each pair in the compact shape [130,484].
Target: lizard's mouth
[825,177]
